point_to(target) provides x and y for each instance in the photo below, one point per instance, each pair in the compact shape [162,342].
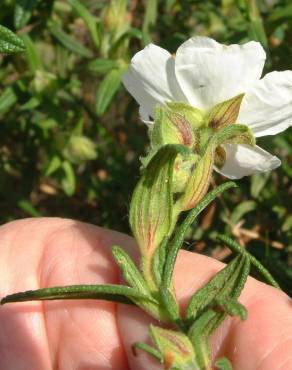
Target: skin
[98,335]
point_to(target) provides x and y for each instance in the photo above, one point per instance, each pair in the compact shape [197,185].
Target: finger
[261,342]
[62,334]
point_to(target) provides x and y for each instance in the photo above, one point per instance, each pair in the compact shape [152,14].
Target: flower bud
[44,82]
[175,347]
[79,149]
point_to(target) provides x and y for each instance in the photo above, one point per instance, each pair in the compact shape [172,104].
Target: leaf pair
[209,306]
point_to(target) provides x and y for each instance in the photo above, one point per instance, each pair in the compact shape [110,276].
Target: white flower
[205,73]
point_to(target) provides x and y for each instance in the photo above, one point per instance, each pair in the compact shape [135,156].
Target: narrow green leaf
[225,286]
[124,38]
[148,349]
[133,276]
[7,99]
[31,104]
[27,207]
[231,292]
[232,307]
[107,90]
[9,42]
[241,209]
[110,292]
[89,20]
[258,182]
[256,27]
[130,271]
[23,11]
[235,247]
[171,306]
[183,228]
[54,164]
[206,295]
[199,338]
[159,260]
[223,364]
[103,66]
[149,19]
[280,13]
[68,180]
[68,41]
[33,58]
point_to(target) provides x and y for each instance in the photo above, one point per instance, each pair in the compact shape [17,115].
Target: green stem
[183,228]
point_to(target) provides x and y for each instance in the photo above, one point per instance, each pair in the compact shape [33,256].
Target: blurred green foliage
[70,134]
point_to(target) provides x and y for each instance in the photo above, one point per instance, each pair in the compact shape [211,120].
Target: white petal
[267,106]
[209,72]
[151,78]
[243,160]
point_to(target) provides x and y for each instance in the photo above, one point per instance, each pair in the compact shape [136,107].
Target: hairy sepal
[234,134]
[151,210]
[198,182]
[225,113]
[171,127]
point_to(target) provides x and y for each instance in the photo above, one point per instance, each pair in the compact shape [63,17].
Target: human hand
[96,335]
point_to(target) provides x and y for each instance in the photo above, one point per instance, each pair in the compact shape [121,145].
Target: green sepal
[110,292]
[220,157]
[223,364]
[225,113]
[183,169]
[170,128]
[151,209]
[193,115]
[9,42]
[198,182]
[234,134]
[175,347]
